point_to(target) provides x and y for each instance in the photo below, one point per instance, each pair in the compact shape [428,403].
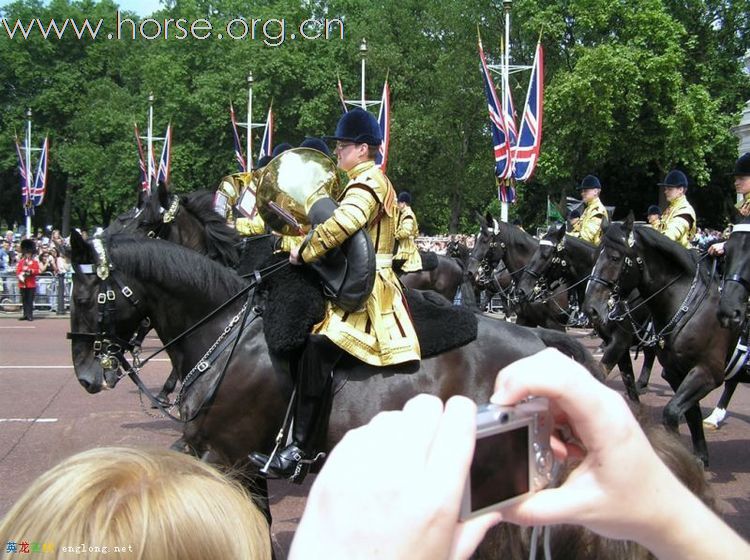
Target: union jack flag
[384,120]
[266,144]
[25,182]
[162,174]
[237,144]
[510,122]
[498,126]
[145,182]
[40,179]
[530,136]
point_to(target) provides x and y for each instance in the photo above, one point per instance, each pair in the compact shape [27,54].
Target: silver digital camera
[512,458]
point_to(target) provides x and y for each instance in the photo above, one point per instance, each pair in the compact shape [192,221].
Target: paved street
[45,415]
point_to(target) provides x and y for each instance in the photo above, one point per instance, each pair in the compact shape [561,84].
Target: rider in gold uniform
[678,219]
[407,232]
[381,332]
[653,216]
[589,227]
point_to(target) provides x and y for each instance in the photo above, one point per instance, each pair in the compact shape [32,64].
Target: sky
[141,7]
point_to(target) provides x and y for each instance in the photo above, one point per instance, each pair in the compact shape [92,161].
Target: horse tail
[571,348]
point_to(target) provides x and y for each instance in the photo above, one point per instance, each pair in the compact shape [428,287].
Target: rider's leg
[314,377]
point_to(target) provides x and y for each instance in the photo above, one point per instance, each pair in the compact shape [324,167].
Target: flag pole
[150,140]
[507,5]
[249,149]
[28,174]
[363,53]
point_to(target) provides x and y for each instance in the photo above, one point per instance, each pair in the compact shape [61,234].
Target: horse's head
[550,253]
[158,213]
[736,284]
[105,313]
[616,271]
[488,246]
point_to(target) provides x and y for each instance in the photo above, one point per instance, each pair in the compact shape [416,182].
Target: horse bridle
[167,217]
[542,284]
[109,348]
[739,228]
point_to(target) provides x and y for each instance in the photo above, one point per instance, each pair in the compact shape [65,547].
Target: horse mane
[579,243]
[221,240]
[683,258]
[183,269]
[513,235]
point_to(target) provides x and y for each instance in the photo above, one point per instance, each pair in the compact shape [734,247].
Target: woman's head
[162,503]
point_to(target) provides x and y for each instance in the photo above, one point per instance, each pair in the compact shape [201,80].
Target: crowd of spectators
[51,251]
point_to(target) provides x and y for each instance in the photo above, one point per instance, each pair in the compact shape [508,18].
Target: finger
[422,417]
[470,533]
[451,452]
[547,507]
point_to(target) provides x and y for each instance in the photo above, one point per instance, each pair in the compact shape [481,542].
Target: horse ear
[80,251]
[163,196]
[488,218]
[142,199]
[628,223]
[560,233]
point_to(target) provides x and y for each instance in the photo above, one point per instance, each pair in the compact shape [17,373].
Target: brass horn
[290,184]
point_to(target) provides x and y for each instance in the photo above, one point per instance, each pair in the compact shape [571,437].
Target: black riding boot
[312,408]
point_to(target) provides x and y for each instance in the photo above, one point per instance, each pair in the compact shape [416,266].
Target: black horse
[683,301]
[239,393]
[500,242]
[445,278]
[566,259]
[733,306]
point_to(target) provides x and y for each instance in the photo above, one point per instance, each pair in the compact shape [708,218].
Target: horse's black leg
[726,395]
[617,349]
[688,393]
[649,355]
[166,390]
[697,435]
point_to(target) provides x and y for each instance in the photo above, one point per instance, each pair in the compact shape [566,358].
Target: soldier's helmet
[742,166]
[316,144]
[358,126]
[590,182]
[404,196]
[675,178]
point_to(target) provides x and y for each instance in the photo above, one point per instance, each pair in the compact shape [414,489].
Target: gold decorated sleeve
[247,226]
[406,228]
[676,228]
[287,242]
[591,228]
[353,213]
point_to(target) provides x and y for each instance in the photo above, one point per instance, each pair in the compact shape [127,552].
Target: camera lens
[504,417]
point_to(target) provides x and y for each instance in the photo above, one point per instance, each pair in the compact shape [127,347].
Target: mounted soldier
[407,258]
[653,216]
[741,186]
[589,227]
[379,331]
[678,219]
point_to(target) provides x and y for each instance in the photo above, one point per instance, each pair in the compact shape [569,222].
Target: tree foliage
[632,89]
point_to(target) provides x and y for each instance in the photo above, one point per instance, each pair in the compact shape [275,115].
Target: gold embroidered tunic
[589,227]
[678,221]
[382,333]
[407,231]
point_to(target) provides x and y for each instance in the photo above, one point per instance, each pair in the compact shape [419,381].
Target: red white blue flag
[162,173]
[266,144]
[384,120]
[509,114]
[500,141]
[145,183]
[237,144]
[25,179]
[530,136]
[40,179]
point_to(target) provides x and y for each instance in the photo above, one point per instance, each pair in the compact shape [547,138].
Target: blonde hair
[154,504]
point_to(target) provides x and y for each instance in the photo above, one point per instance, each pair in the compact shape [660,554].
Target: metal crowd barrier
[52,292]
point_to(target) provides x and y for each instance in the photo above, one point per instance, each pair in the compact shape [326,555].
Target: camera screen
[500,469]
